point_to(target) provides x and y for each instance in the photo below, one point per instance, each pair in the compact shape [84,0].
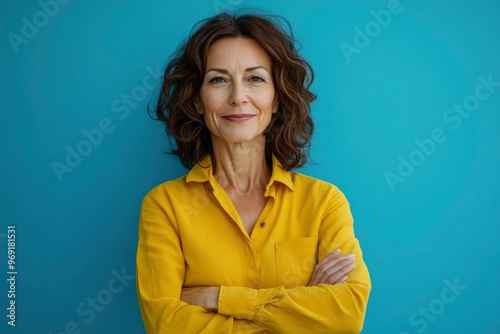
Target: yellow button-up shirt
[190,235]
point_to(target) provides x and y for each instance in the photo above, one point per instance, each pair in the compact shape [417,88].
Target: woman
[241,244]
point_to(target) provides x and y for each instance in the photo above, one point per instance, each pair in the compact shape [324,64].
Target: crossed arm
[334,301]
[333,269]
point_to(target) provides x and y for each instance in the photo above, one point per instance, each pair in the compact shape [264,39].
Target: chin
[243,137]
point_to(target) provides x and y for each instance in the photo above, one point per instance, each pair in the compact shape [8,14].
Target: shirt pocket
[295,261]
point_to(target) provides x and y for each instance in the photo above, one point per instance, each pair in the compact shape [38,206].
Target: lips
[238,117]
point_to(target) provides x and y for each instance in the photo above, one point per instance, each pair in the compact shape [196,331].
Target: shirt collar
[202,172]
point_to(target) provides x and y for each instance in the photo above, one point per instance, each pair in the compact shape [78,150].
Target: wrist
[213,302]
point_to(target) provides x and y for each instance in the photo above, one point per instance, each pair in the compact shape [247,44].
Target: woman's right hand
[333,269]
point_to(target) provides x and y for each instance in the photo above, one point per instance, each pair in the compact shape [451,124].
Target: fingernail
[337,252]
[350,256]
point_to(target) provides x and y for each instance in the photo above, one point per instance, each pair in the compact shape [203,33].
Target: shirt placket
[261,237]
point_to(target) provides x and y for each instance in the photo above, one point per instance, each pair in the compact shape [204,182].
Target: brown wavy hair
[289,133]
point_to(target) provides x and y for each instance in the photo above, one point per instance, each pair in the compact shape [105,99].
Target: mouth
[238,117]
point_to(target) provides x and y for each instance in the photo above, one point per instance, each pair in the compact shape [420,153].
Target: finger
[332,266]
[330,256]
[335,266]
[343,279]
[340,276]
[317,269]
[330,260]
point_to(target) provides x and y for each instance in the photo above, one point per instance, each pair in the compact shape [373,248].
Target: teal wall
[407,125]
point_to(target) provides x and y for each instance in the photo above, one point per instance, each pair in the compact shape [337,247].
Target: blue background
[76,232]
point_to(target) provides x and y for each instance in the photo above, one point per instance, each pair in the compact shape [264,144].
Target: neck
[241,167]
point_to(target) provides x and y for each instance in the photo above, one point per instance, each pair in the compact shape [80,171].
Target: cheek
[266,101]
[212,99]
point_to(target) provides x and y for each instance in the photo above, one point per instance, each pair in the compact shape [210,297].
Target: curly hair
[289,133]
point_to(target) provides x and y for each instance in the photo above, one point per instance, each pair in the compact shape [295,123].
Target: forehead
[240,51]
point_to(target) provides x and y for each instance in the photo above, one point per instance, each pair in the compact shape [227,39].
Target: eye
[217,80]
[256,79]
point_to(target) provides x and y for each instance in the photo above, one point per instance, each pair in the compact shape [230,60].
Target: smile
[238,117]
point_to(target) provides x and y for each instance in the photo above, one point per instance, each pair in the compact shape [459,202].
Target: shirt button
[263,224]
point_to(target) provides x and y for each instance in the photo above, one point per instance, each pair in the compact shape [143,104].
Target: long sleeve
[160,275]
[323,308]
[191,236]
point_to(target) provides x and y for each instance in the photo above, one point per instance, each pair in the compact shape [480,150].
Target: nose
[238,94]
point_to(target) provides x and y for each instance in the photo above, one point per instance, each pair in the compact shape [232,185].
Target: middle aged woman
[241,244]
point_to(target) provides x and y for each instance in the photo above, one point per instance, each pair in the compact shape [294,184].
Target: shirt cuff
[244,303]
[238,302]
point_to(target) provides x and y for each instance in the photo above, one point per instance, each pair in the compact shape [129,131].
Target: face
[237,96]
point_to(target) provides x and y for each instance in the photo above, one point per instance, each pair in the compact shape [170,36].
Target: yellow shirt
[191,235]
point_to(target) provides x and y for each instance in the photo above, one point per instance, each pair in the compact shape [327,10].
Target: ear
[198,105]
[275,106]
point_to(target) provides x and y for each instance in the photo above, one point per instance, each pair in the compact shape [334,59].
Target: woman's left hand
[333,269]
[206,297]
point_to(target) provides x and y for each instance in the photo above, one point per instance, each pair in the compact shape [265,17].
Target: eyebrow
[250,69]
